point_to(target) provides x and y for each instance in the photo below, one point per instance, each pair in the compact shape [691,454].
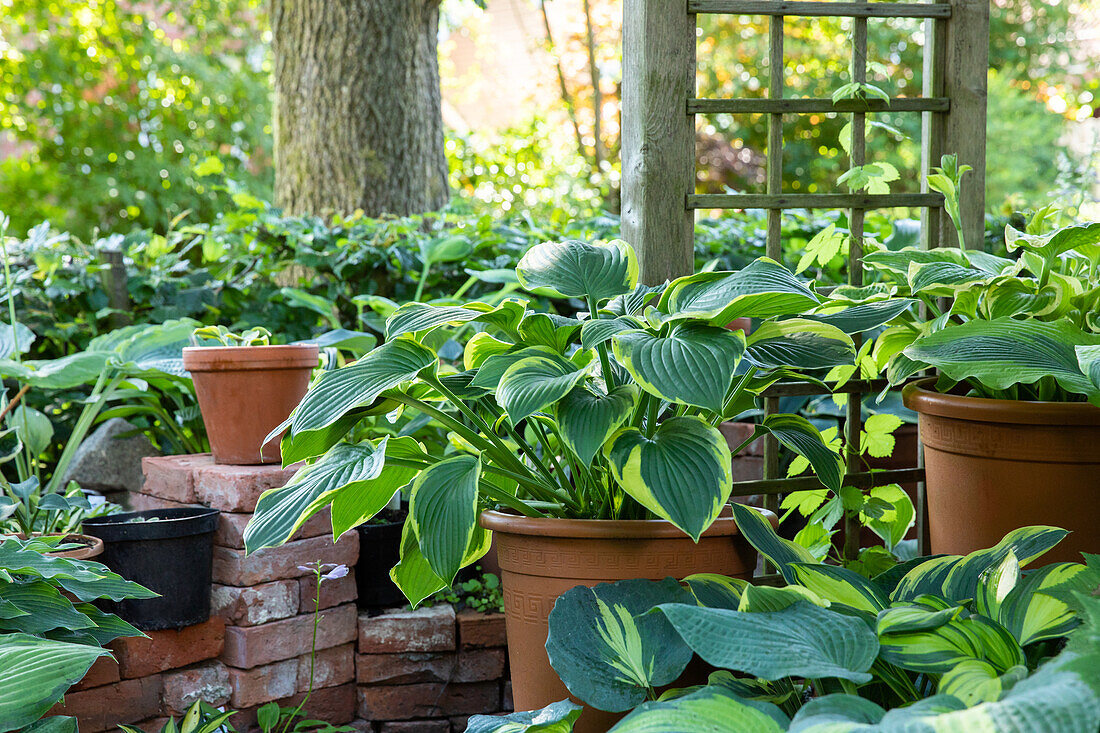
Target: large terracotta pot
[542,558]
[995,465]
[245,392]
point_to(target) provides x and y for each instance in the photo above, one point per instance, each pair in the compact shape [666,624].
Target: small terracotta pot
[542,558]
[245,392]
[995,465]
[92,546]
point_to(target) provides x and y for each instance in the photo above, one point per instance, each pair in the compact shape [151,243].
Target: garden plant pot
[379,550]
[542,558]
[995,465]
[245,392]
[171,556]
[90,546]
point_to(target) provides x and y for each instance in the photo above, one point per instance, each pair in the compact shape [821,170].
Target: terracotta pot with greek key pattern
[542,558]
[995,465]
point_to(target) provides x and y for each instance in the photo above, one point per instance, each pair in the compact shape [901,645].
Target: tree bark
[358,122]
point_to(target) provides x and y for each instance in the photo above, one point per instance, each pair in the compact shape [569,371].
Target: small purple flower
[338,571]
[325,571]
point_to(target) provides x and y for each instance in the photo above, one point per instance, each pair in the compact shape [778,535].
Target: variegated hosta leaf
[803,640]
[1006,351]
[711,708]
[863,317]
[840,586]
[548,329]
[801,436]
[933,640]
[763,288]
[574,269]
[765,599]
[799,343]
[533,383]
[608,650]
[417,317]
[779,551]
[1088,358]
[443,510]
[653,471]
[632,303]
[974,681]
[494,366]
[480,347]
[943,278]
[597,331]
[1029,608]
[693,364]
[992,264]
[557,717]
[1013,297]
[587,418]
[415,577]
[37,672]
[1055,243]
[897,262]
[716,591]
[359,384]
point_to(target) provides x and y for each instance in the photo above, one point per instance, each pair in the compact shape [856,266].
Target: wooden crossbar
[821,9]
[811,200]
[764,105]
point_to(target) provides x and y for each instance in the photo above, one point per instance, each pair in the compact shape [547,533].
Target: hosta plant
[1026,328]
[611,415]
[50,631]
[943,643]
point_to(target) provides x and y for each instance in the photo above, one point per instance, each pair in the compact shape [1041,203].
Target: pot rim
[920,397]
[171,523]
[607,529]
[93,548]
[240,358]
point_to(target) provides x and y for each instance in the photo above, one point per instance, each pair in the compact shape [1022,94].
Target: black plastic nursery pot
[379,550]
[172,555]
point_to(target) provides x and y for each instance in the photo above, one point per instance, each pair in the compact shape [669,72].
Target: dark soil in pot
[169,551]
[379,550]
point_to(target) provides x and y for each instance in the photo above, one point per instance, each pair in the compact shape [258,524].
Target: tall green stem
[605,360]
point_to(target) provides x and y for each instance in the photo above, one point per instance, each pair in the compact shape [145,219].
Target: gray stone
[107,463]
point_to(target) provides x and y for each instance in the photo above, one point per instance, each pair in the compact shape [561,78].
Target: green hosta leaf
[533,383]
[974,681]
[577,269]
[417,317]
[557,717]
[711,709]
[799,343]
[863,317]
[761,535]
[45,607]
[358,342]
[681,473]
[443,510]
[68,372]
[629,304]
[600,330]
[837,713]
[412,574]
[86,580]
[37,672]
[480,347]
[608,650]
[694,364]
[1005,352]
[943,278]
[52,724]
[840,585]
[892,524]
[1088,358]
[764,599]
[799,435]
[11,341]
[802,640]
[587,418]
[445,249]
[548,329]
[764,288]
[493,368]
[358,501]
[359,384]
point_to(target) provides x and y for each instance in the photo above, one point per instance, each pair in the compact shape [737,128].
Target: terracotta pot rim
[93,545]
[606,529]
[922,398]
[240,358]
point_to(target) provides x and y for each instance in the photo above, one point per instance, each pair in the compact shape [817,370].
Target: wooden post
[965,50]
[114,282]
[658,136]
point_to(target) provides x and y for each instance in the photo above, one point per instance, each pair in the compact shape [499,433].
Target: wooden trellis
[659,160]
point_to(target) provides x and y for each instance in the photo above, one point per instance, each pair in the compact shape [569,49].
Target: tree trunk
[358,121]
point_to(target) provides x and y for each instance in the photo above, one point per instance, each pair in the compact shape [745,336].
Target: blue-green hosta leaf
[841,586]
[763,288]
[587,418]
[358,342]
[1005,352]
[1055,243]
[974,681]
[836,713]
[762,536]
[693,365]
[533,383]
[548,329]
[608,650]
[574,269]
[803,640]
[156,348]
[711,709]
[359,384]
[801,436]
[897,262]
[943,278]
[716,591]
[67,372]
[862,317]
[443,510]
[494,366]
[681,473]
[415,577]
[557,717]
[799,343]
[12,341]
[86,580]
[600,330]
[1088,358]
[37,672]
[923,639]
[45,607]
[634,302]
[417,317]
